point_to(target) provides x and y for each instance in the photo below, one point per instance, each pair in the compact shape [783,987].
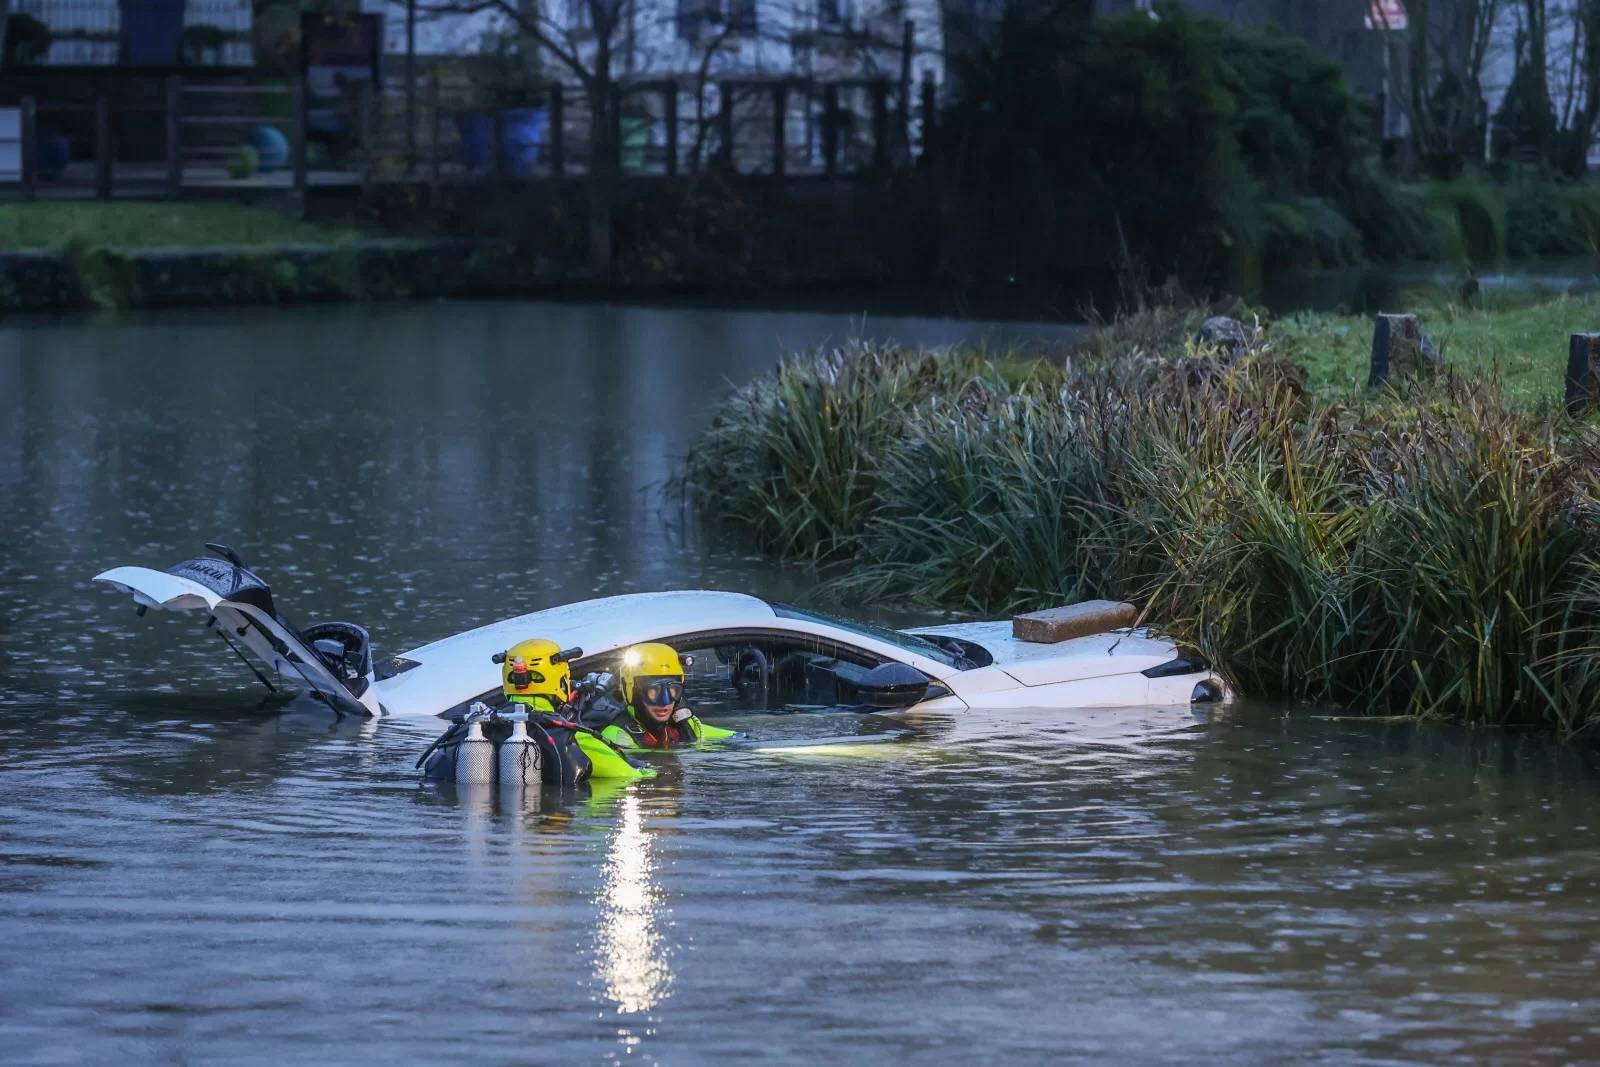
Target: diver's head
[536,668]
[659,698]
[652,681]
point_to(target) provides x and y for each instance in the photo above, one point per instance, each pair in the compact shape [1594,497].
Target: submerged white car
[742,653]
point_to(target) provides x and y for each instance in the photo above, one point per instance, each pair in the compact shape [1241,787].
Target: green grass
[1524,343]
[136,225]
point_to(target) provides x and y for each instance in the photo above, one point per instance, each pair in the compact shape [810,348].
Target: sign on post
[10,144]
[1386,14]
[340,56]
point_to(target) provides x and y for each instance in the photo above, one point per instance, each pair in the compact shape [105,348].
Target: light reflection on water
[631,954]
[188,876]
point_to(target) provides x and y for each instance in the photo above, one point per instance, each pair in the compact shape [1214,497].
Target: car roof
[458,668]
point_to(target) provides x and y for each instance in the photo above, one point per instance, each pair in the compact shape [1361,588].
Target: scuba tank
[519,760]
[475,757]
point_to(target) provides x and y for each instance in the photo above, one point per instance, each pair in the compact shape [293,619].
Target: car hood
[1032,663]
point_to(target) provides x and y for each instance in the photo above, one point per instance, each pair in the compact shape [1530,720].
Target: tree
[582,38]
[1585,94]
[1448,45]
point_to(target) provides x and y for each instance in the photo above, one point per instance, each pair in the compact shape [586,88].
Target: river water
[187,875]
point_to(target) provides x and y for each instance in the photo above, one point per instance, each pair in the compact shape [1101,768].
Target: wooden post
[102,146]
[669,107]
[29,147]
[174,136]
[930,113]
[433,130]
[780,131]
[1583,373]
[1399,348]
[297,134]
[558,130]
[880,124]
[902,108]
[830,129]
[367,116]
[497,144]
[411,87]
[615,162]
[725,126]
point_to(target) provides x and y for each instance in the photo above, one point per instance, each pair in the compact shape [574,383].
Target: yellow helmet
[537,668]
[648,661]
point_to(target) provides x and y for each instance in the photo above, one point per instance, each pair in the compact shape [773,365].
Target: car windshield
[920,646]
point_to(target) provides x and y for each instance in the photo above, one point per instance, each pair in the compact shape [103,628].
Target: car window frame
[753,635]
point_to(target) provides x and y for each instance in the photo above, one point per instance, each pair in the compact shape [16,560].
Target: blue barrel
[523,131]
[272,147]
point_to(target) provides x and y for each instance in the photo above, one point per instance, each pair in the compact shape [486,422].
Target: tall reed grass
[1433,552]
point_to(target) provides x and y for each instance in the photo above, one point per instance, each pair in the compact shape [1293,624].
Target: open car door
[332,661]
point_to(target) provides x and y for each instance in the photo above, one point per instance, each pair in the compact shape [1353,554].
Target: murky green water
[185,876]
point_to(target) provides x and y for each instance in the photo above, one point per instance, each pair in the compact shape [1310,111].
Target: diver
[649,711]
[536,680]
[537,676]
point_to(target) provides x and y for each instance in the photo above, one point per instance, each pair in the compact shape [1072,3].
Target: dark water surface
[188,877]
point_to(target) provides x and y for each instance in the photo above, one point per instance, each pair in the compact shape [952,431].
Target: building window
[835,14]
[694,16]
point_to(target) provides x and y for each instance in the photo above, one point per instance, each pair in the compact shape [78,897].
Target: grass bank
[1521,342]
[1431,550]
[50,226]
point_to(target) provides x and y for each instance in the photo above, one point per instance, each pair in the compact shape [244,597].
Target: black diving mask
[663,692]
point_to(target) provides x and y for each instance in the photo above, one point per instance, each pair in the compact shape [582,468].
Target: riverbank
[110,278]
[133,255]
[1432,549]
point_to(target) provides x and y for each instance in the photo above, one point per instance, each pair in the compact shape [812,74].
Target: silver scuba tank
[475,757]
[519,758]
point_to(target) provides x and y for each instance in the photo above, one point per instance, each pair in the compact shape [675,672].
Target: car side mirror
[892,685]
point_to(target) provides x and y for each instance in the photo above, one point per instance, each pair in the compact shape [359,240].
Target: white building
[96,32]
[727,39]
[795,47]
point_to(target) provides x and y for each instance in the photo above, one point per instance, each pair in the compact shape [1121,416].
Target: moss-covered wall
[78,277]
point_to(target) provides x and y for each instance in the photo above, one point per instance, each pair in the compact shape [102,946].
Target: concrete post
[1583,373]
[1399,349]
[102,146]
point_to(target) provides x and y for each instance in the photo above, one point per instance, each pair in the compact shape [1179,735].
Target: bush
[1430,553]
[242,162]
[1479,213]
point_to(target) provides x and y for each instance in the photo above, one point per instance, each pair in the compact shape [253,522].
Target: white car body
[1119,668]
